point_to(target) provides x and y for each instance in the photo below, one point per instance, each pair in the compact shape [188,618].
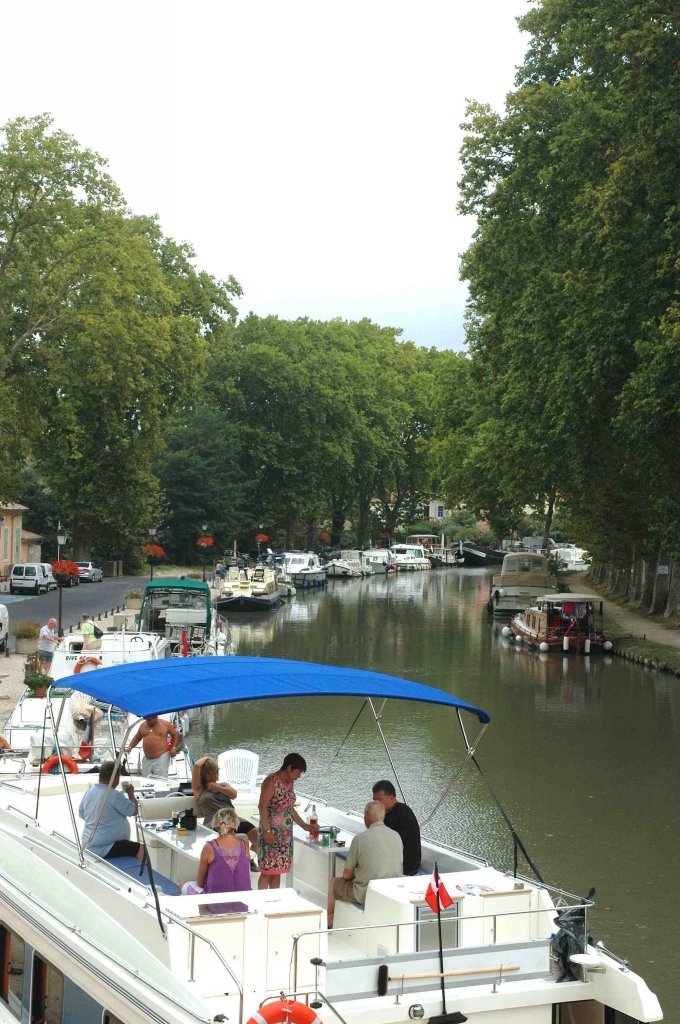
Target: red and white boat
[561,622]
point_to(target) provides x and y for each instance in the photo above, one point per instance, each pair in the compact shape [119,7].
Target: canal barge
[523,578]
[111,941]
[561,622]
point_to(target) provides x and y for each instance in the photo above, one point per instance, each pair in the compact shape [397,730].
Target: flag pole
[441,944]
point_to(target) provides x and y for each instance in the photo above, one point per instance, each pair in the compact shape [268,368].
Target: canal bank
[581,752]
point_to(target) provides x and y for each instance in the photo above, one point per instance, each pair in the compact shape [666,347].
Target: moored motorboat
[561,622]
[378,561]
[249,590]
[304,568]
[79,931]
[523,578]
[181,610]
[410,557]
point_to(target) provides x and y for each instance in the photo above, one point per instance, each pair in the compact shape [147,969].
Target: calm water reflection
[582,752]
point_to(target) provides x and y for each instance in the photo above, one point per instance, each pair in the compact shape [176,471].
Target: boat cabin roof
[174,583]
[560,598]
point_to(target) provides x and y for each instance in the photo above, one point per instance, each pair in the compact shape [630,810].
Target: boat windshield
[171,607]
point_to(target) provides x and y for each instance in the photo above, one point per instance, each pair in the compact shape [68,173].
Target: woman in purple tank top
[225,863]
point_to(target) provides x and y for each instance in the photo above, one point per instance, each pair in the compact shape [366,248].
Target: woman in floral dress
[277,814]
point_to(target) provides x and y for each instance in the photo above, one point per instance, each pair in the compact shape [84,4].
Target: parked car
[30,576]
[52,583]
[90,571]
[4,627]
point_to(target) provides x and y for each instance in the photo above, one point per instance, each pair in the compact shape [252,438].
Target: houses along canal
[582,753]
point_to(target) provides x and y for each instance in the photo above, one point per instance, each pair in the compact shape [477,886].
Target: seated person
[224,865]
[401,818]
[376,853]
[4,744]
[111,836]
[211,796]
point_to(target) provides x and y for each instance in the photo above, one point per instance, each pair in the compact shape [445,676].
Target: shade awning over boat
[156,687]
[559,598]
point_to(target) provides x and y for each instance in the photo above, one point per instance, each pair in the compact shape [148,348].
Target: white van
[51,582]
[31,577]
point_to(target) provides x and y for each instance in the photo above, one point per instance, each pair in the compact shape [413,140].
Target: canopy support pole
[469,755]
[377,716]
[67,791]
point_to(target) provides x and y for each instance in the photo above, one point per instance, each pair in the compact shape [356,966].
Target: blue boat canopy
[156,687]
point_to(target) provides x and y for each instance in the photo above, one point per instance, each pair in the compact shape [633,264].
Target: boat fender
[284,1010]
[544,647]
[607,645]
[83,661]
[506,631]
[54,760]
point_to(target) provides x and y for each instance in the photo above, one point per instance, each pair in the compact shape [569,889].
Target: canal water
[581,752]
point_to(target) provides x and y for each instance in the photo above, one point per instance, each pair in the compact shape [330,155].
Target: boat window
[110,1018]
[47,993]
[538,564]
[510,565]
[524,564]
[13,955]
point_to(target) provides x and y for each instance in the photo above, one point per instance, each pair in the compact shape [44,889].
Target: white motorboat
[249,590]
[341,569]
[410,557]
[304,568]
[180,609]
[572,559]
[378,560]
[523,578]
[95,940]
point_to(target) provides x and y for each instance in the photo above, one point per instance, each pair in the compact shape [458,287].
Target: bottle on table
[313,823]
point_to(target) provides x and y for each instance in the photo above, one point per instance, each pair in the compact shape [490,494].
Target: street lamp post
[205,530]
[61,541]
[152,534]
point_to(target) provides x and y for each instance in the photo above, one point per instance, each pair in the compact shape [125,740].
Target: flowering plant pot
[25,645]
[64,568]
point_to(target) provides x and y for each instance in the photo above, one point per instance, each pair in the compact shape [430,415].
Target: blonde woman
[211,796]
[224,865]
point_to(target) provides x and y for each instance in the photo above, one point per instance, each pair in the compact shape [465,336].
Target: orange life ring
[66,761]
[284,1011]
[83,661]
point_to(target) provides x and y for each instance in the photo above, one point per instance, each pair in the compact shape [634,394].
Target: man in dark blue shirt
[401,818]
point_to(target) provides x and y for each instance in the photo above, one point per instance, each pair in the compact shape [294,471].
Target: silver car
[90,572]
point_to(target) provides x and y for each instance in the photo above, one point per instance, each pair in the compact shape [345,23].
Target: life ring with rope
[66,761]
[83,661]
[283,1011]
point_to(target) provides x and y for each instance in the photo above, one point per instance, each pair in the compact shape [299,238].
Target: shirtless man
[154,733]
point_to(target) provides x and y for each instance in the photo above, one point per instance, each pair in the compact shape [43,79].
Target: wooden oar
[384,976]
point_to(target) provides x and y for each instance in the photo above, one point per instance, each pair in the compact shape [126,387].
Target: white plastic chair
[239,767]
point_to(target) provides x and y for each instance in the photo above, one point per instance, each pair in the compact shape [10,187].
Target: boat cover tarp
[156,687]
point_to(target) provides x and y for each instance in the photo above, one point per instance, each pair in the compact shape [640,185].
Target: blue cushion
[130,866]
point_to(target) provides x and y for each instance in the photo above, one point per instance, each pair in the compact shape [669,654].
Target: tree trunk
[337,523]
[647,583]
[311,529]
[362,515]
[660,593]
[291,525]
[82,540]
[547,526]
[673,602]
[635,580]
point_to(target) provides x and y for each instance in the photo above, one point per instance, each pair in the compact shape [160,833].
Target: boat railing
[579,904]
[193,935]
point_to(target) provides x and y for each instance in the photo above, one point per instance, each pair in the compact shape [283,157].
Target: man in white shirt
[47,642]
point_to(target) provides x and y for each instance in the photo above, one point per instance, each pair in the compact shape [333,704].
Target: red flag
[185,645]
[431,894]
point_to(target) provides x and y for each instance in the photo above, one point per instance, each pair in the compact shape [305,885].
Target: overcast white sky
[308,148]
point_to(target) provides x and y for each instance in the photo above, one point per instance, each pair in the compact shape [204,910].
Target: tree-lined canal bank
[582,753]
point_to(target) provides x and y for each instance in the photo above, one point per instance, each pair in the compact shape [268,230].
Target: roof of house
[9,507]
[27,535]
